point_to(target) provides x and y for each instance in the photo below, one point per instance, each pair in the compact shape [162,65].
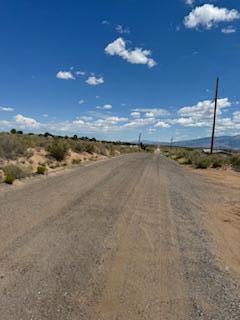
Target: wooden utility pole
[171,143]
[139,138]
[215,114]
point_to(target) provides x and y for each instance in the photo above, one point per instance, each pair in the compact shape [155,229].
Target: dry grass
[200,160]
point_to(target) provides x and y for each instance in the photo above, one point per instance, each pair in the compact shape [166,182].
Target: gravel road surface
[119,239]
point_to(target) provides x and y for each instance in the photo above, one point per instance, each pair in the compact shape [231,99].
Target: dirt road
[120,239]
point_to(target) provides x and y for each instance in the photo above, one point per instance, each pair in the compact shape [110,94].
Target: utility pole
[215,114]
[139,138]
[171,143]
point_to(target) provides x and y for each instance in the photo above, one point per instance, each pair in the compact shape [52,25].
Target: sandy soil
[223,220]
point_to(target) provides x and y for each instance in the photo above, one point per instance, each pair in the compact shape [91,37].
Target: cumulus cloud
[105,107]
[162,124]
[134,56]
[6,109]
[209,15]
[94,81]
[200,115]
[204,109]
[26,122]
[65,75]
[81,101]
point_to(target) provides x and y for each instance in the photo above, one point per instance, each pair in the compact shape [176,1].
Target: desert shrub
[1,176]
[185,161]
[217,162]
[9,179]
[29,153]
[58,150]
[235,161]
[41,170]
[12,146]
[150,149]
[89,147]
[16,171]
[76,161]
[79,147]
[202,163]
[102,150]
[111,149]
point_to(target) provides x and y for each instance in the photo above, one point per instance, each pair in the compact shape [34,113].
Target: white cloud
[121,29]
[189,2]
[81,101]
[86,118]
[80,73]
[109,122]
[201,114]
[65,75]
[79,121]
[151,130]
[94,81]
[105,107]
[140,122]
[135,114]
[228,30]
[134,56]
[204,109]
[209,15]
[152,112]
[149,114]
[162,124]
[236,116]
[6,109]
[26,122]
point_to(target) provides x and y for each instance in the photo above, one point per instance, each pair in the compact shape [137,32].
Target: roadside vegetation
[201,160]
[23,155]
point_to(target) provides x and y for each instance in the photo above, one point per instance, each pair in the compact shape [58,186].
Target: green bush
[201,163]
[235,161]
[16,171]
[58,150]
[41,170]
[9,179]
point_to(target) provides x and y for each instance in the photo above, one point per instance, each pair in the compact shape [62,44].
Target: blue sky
[112,69]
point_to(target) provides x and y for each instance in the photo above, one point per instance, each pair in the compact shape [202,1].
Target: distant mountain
[223,142]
